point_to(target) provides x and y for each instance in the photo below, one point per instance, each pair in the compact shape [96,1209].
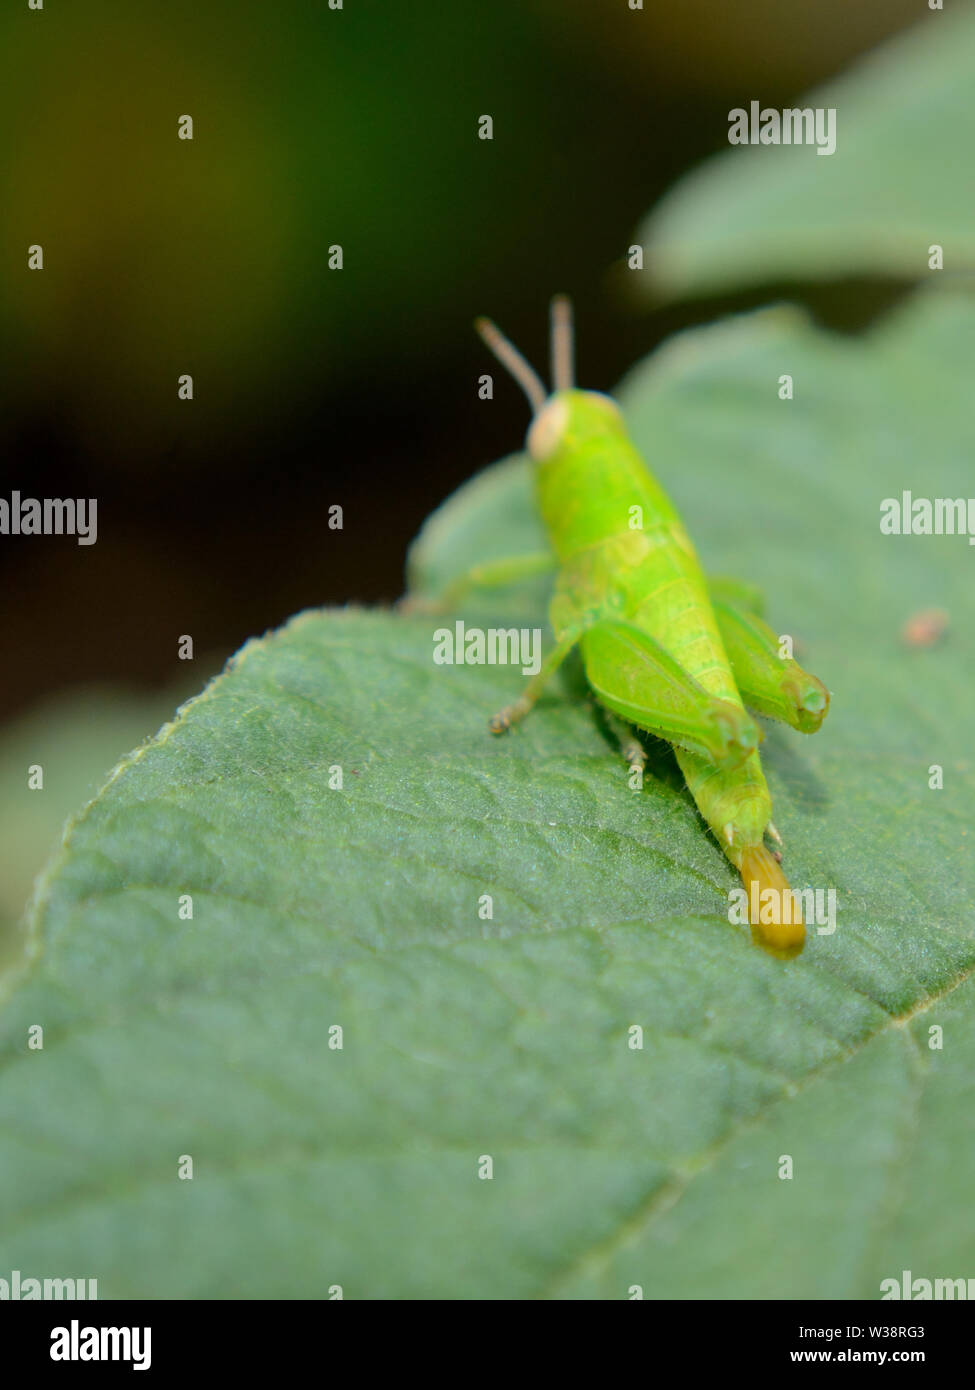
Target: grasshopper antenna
[562,364]
[509,356]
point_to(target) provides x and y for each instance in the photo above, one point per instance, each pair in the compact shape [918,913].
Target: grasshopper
[665,650]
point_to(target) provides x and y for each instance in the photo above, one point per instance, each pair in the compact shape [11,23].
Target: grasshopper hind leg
[773,685]
[637,679]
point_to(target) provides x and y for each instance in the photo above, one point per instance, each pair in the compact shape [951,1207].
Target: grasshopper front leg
[491,574]
[513,713]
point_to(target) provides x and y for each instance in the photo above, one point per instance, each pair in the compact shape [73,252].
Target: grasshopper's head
[571,418]
[566,416]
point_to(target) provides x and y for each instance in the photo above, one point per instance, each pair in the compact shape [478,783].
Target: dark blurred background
[313,387]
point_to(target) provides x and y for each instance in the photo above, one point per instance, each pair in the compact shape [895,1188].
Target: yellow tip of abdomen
[774,914]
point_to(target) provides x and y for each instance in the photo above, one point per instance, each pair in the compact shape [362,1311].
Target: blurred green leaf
[897,183]
[315,907]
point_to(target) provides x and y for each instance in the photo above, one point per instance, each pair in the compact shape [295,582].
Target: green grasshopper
[664,649]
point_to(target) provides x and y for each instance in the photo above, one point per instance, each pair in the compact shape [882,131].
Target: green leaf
[314,907]
[76,738]
[896,184]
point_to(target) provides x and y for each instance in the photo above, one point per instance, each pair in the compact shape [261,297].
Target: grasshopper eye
[547,429]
